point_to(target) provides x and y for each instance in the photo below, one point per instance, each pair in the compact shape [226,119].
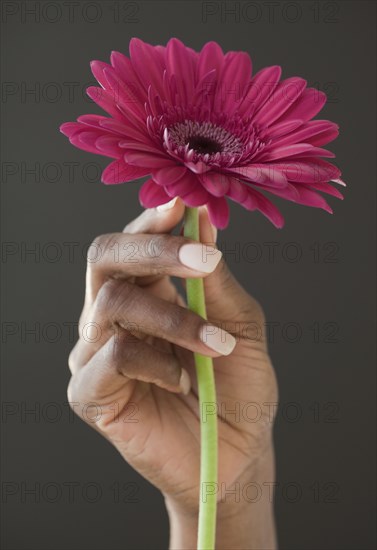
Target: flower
[205,130]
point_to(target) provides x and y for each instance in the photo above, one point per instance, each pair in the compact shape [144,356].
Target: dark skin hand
[134,359]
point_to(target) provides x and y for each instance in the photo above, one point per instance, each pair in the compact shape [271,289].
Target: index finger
[162,219]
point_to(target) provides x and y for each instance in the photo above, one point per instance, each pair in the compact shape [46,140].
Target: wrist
[245,518]
[183,526]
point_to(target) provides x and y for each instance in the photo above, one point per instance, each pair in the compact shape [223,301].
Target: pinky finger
[122,360]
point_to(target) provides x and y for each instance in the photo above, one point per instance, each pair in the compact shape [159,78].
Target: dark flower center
[204,145]
[204,138]
[220,142]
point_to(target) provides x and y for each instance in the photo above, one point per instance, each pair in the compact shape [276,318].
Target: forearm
[245,519]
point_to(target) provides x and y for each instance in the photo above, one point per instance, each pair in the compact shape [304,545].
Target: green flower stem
[207,404]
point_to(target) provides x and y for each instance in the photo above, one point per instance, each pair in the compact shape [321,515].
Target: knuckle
[116,352]
[172,373]
[106,296]
[78,403]
[180,317]
[112,297]
[226,276]
[97,248]
[72,394]
[72,362]
[251,312]
[126,356]
[158,250]
[257,311]
[128,361]
[152,247]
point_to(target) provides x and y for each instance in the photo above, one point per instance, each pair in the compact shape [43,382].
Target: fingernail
[167,205]
[217,339]
[185,382]
[200,257]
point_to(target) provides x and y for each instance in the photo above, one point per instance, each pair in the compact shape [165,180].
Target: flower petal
[180,63]
[127,94]
[314,152]
[215,183]
[285,151]
[258,201]
[235,77]
[105,100]
[328,189]
[283,97]
[130,145]
[97,68]
[120,61]
[218,211]
[109,145]
[211,57]
[198,167]
[183,186]
[120,172]
[152,195]
[138,158]
[262,86]
[307,106]
[309,197]
[147,63]
[267,174]
[237,190]
[124,130]
[197,196]
[281,129]
[324,137]
[311,171]
[313,132]
[124,69]
[89,138]
[289,193]
[205,89]
[86,141]
[92,120]
[70,128]
[339,182]
[169,175]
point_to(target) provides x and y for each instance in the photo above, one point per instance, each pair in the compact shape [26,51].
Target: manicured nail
[167,205]
[200,257]
[217,339]
[185,382]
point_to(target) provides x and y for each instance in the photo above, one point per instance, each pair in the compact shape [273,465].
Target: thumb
[226,300]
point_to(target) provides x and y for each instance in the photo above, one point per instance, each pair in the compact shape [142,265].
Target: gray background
[324,431]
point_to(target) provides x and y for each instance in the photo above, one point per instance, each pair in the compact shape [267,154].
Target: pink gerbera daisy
[204,129]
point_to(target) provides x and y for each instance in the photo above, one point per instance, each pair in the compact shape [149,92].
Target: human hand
[134,360]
